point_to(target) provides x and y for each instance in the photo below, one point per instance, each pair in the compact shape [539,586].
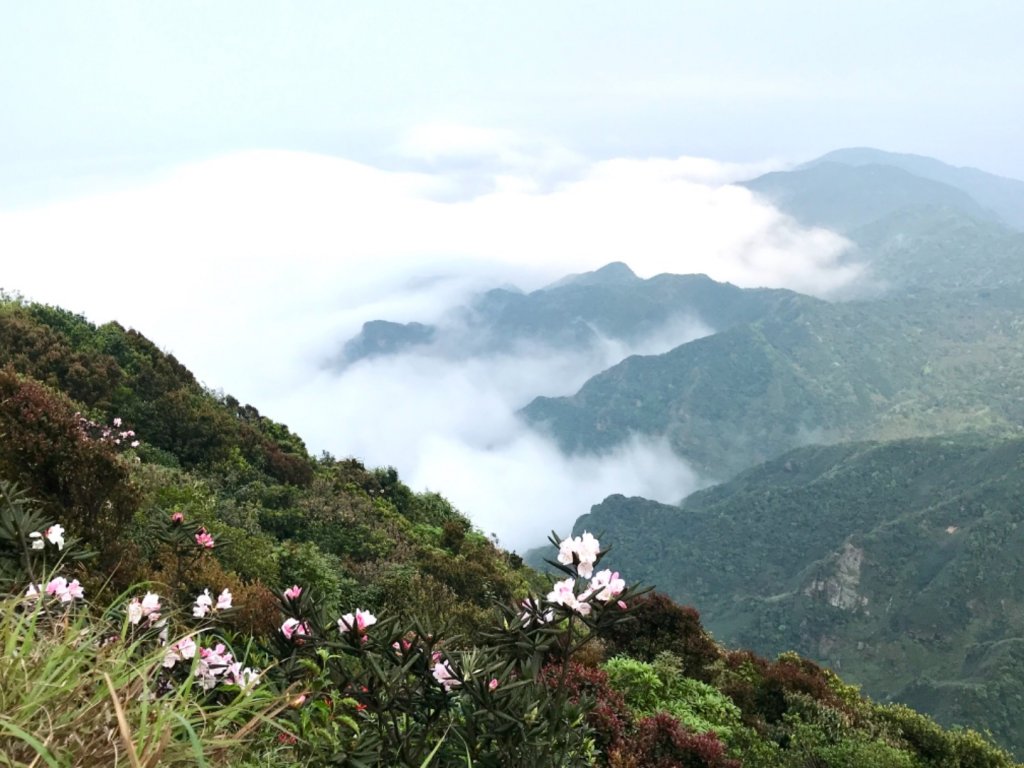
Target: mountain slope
[896,563]
[1003,196]
[810,372]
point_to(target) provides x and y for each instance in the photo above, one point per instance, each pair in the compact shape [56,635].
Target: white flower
[37,540]
[134,611]
[224,600]
[202,605]
[183,649]
[360,620]
[55,535]
[607,585]
[444,676]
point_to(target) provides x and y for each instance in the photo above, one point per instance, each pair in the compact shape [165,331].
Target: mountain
[896,563]
[1001,195]
[810,372]
[844,197]
[577,311]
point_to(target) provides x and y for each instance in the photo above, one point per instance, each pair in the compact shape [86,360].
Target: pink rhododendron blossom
[148,607]
[493,684]
[359,621]
[204,539]
[607,585]
[117,421]
[32,593]
[213,663]
[224,600]
[135,443]
[64,591]
[179,651]
[562,593]
[177,518]
[582,550]
[203,604]
[294,628]
[622,604]
[55,535]
[293,592]
[444,676]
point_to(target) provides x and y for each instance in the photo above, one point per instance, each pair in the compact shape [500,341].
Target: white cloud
[255,267]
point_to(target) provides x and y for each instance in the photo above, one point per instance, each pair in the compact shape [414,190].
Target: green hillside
[898,564]
[810,372]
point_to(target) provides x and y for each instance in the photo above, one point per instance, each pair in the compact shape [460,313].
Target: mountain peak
[615,273]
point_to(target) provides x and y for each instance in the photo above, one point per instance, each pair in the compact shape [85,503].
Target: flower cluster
[213,665]
[444,675]
[203,538]
[147,608]
[581,551]
[356,622]
[58,588]
[293,628]
[204,603]
[113,434]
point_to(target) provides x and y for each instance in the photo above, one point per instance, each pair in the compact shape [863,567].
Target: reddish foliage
[661,741]
[83,481]
[610,717]
[760,686]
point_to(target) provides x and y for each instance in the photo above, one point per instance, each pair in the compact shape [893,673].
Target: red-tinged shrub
[660,624]
[661,741]
[610,717]
[83,482]
[759,687]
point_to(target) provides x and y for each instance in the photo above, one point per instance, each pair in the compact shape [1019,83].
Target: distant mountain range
[871,451]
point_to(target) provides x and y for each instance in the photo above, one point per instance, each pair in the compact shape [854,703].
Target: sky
[247,183]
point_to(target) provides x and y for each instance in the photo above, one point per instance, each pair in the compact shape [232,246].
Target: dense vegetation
[185,585]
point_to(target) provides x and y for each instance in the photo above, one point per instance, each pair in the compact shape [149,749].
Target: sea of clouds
[255,268]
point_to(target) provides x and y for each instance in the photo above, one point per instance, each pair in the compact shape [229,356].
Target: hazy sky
[247,182]
[91,88]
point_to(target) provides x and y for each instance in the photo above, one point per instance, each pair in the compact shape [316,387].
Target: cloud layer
[254,268]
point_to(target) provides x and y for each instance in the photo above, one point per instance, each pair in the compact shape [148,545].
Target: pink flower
[149,607]
[358,621]
[293,592]
[63,591]
[607,585]
[177,518]
[622,604]
[179,651]
[294,628]
[117,421]
[582,550]
[493,684]
[204,539]
[224,600]
[135,443]
[562,593]
[444,676]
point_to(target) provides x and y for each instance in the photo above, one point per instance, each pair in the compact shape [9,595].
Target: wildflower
[493,684]
[204,539]
[622,604]
[582,550]
[202,605]
[177,518]
[37,540]
[55,535]
[293,592]
[245,678]
[33,591]
[607,585]
[179,651]
[148,607]
[213,663]
[224,600]
[294,628]
[64,591]
[444,676]
[117,421]
[358,621]
[135,443]
[562,593]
